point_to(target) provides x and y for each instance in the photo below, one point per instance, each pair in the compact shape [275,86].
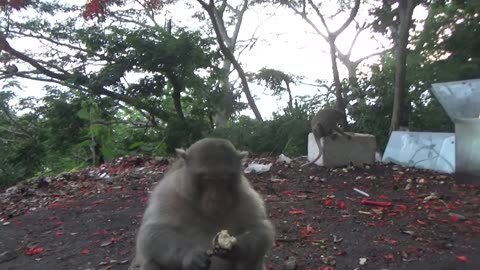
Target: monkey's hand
[224,245]
[196,260]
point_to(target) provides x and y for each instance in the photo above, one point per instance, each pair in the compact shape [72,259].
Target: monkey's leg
[150,265]
[251,266]
[172,247]
[339,130]
[254,242]
[333,136]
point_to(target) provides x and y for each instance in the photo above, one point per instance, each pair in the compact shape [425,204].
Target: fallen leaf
[389,257]
[392,242]
[462,258]
[454,218]
[342,205]
[296,211]
[34,251]
[329,202]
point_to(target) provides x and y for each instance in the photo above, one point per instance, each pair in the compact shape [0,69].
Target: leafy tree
[305,9]
[126,57]
[215,11]
[20,145]
[396,16]
[436,50]
[229,15]
[450,38]
[274,80]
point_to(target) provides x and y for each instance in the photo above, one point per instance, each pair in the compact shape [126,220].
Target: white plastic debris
[284,158]
[361,192]
[11,190]
[362,261]
[258,168]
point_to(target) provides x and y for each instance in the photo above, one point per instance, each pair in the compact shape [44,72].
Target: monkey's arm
[253,241]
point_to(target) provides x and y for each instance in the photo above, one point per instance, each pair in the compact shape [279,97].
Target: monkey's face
[215,170]
[215,180]
[216,190]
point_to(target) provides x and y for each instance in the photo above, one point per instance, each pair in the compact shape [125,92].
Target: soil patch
[413,219]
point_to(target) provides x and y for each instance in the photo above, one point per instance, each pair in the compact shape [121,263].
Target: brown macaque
[203,199]
[325,123]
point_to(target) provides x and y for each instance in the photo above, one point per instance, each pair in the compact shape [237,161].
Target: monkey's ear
[181,153]
[242,155]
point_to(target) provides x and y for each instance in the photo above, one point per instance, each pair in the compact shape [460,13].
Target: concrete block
[467,154]
[360,149]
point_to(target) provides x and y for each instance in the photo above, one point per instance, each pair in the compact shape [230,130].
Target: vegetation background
[123,77]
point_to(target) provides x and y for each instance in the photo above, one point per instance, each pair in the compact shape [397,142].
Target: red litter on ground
[376,203]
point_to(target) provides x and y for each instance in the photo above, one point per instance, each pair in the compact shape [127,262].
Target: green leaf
[83,114]
[135,145]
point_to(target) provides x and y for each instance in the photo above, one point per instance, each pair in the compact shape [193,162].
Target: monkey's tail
[311,162]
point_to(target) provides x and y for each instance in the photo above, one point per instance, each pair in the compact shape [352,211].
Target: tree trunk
[340,104]
[226,108]
[178,104]
[210,7]
[405,11]
[97,155]
[176,96]
[353,83]
[290,98]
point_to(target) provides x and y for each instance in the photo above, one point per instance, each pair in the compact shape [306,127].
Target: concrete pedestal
[341,151]
[467,150]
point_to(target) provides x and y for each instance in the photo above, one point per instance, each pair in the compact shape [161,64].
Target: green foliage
[283,134]
[19,143]
[450,42]
[274,79]
[101,112]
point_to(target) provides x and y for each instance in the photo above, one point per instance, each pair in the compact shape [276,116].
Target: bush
[285,134]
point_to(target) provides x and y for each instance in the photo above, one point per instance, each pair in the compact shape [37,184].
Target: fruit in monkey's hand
[222,244]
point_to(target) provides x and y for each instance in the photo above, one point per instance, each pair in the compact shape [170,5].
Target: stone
[341,151]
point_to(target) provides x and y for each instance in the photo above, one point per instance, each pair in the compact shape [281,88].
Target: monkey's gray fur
[204,192]
[323,124]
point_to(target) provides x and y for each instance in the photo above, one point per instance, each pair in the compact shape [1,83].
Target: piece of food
[224,240]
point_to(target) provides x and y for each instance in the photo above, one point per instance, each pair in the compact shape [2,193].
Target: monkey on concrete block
[324,124]
[204,214]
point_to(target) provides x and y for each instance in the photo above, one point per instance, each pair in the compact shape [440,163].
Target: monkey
[323,124]
[204,193]
[11,69]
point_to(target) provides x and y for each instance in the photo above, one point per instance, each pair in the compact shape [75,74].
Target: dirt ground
[88,219]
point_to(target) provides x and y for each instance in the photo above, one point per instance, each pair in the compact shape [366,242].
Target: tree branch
[357,34]
[320,15]
[361,59]
[305,17]
[42,37]
[351,17]
[239,14]
[210,8]
[4,45]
